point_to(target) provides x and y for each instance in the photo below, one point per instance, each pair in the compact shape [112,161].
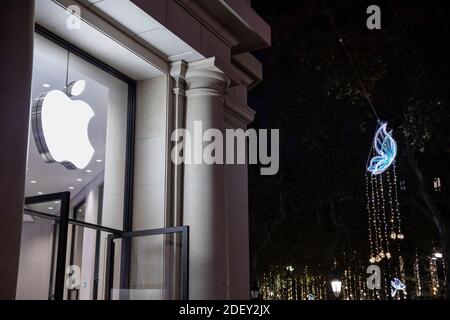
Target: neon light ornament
[311,297]
[383,208]
[386,149]
[397,286]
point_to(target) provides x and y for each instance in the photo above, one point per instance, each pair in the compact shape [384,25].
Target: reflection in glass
[37,258]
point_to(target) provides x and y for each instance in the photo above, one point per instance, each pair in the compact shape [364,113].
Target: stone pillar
[16,63]
[204,187]
[178,121]
[149,201]
[237,116]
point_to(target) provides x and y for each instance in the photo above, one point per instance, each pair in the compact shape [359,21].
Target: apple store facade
[94,207]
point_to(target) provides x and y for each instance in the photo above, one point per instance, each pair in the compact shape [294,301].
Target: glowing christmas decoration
[397,286]
[402,273]
[385,149]
[417,276]
[384,223]
[434,277]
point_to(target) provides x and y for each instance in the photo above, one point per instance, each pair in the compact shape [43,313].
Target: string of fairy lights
[417,276]
[384,223]
[434,277]
[312,283]
[399,235]
[384,226]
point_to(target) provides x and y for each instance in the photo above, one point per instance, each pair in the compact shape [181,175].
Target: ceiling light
[88,171]
[33,181]
[40,193]
[57,202]
[50,208]
[79,180]
[99,160]
[46,85]
[71,188]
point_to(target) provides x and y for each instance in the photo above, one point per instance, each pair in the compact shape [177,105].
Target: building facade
[94,206]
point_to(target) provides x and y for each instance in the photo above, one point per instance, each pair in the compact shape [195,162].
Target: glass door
[43,247]
[86,255]
[156,268]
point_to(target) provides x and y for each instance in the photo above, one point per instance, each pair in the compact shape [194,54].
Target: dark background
[314,209]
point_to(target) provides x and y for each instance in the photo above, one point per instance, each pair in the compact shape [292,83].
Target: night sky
[314,210]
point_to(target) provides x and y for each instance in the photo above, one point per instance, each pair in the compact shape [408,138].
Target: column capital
[178,71]
[205,74]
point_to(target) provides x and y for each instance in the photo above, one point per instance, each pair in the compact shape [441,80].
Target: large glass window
[77,144]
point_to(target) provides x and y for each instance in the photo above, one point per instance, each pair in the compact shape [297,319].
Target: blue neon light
[397,285]
[385,149]
[311,297]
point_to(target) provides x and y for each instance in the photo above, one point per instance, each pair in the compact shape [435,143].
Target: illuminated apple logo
[60,127]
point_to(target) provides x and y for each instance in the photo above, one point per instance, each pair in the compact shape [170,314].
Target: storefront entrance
[77,241]
[63,257]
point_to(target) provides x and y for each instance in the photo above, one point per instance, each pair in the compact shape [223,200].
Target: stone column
[237,116]
[204,187]
[16,63]
[149,201]
[178,120]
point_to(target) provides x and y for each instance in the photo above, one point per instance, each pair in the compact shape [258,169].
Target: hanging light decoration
[402,275]
[385,150]
[434,277]
[417,276]
[399,234]
[382,198]
[397,286]
[384,222]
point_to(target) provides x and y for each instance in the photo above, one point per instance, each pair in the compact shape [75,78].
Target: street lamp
[336,283]
[336,286]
